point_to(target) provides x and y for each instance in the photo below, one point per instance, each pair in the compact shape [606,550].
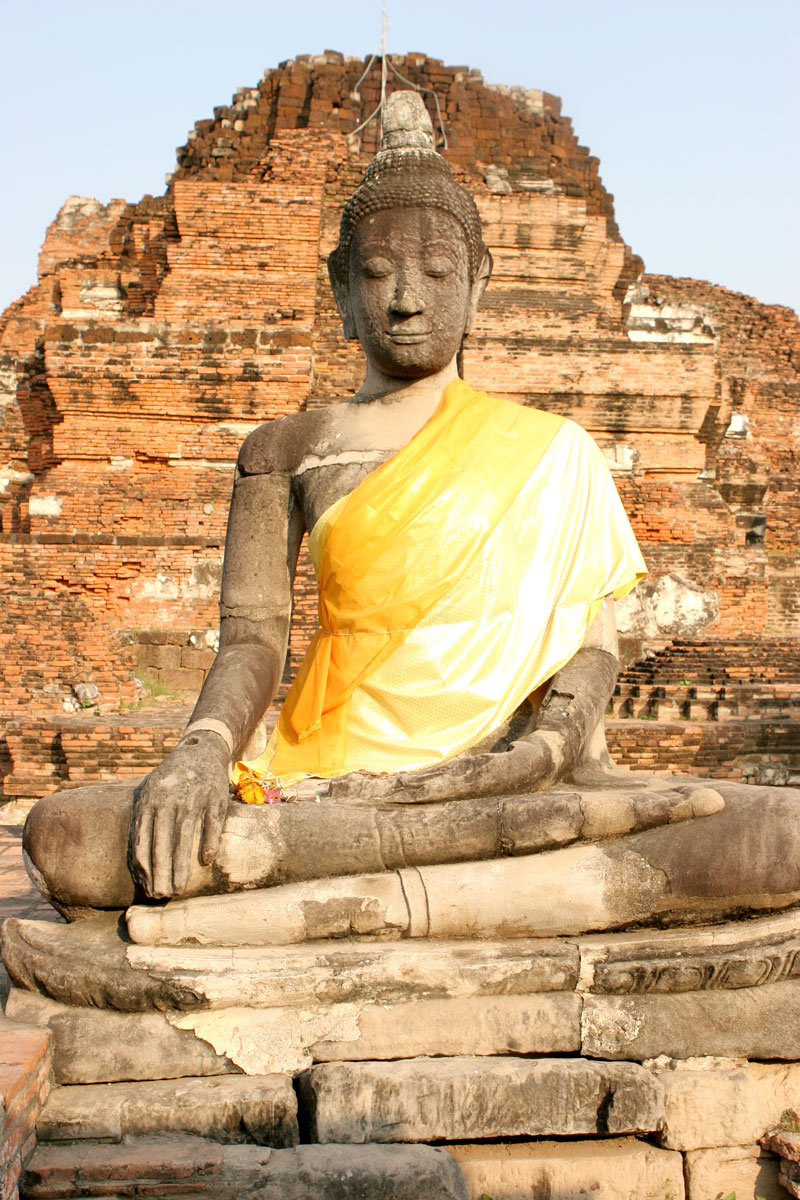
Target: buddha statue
[450,708]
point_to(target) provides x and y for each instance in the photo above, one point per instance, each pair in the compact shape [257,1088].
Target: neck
[378,386]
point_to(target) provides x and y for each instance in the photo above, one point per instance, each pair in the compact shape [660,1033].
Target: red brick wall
[25,1061]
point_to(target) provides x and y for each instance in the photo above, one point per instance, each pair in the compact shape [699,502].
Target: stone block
[603,1170]
[194,1167]
[475,1025]
[230,1108]
[745,1170]
[181,679]
[350,1173]
[93,1045]
[457,1099]
[163,657]
[197,658]
[710,1102]
[755,1022]
[737,954]
[783,1142]
[346,970]
[261,1040]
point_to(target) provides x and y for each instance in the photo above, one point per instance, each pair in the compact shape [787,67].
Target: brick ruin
[161,332]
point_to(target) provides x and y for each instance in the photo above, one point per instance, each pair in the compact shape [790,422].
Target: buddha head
[410,267]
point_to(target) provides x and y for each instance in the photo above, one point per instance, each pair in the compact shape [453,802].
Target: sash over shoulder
[453,581]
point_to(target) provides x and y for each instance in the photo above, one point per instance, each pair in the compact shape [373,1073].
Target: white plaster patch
[607,1033]
[738,426]
[672,323]
[622,458]
[105,297]
[8,382]
[243,858]
[44,506]
[670,606]
[8,476]
[497,181]
[263,1041]
[213,464]
[79,206]
[312,461]
[162,587]
[204,580]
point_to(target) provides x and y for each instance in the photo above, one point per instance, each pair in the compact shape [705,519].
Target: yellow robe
[454,580]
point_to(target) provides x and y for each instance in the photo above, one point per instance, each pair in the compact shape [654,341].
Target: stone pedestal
[646,1062]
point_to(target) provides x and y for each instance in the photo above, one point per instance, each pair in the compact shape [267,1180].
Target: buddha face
[410,298]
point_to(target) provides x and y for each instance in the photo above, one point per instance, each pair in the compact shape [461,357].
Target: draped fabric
[453,581]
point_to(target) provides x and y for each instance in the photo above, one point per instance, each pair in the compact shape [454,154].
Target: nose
[407,299]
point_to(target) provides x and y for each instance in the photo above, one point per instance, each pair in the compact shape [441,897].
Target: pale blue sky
[691,108]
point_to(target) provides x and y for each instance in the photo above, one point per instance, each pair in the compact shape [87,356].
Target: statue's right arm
[180,809]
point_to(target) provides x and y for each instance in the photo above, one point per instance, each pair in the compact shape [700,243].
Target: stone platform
[645,1063]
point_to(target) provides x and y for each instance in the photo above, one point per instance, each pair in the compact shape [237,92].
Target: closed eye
[440,266]
[377,267]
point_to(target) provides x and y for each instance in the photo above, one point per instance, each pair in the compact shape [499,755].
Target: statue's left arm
[568,736]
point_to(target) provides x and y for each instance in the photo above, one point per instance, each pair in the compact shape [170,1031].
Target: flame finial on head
[405,123]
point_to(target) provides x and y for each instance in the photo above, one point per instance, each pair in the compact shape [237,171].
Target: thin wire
[417,88]
[385,63]
[364,124]
[369,68]
[382,47]
[383,55]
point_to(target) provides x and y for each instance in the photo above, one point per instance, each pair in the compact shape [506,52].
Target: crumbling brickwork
[161,332]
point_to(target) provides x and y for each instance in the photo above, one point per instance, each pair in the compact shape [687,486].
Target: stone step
[602,1169]
[746,1022]
[195,1168]
[761,1023]
[463,1099]
[227,1108]
[96,1045]
[90,1045]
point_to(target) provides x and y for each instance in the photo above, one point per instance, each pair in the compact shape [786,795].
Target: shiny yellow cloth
[454,580]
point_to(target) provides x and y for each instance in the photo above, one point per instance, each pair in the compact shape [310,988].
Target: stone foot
[83,963]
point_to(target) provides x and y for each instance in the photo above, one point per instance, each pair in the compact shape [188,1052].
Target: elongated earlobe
[340,286]
[479,287]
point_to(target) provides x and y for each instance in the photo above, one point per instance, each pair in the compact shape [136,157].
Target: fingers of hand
[184,838]
[142,844]
[212,832]
[164,838]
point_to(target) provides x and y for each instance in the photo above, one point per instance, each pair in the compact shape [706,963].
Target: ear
[340,286]
[479,287]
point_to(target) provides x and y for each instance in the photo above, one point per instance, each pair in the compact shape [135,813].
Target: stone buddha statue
[447,723]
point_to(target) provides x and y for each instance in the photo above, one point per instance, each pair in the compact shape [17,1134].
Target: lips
[409,337]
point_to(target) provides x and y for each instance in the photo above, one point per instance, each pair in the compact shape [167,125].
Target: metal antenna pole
[384,67]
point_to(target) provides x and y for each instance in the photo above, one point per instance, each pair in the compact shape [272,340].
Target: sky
[692,106]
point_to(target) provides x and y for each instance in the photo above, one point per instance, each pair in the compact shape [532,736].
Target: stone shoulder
[280,445]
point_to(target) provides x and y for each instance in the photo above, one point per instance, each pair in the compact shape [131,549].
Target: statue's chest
[319,483]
